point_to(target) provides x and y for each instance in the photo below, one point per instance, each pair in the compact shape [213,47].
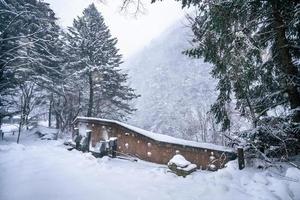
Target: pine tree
[94,63]
[266,25]
[254,48]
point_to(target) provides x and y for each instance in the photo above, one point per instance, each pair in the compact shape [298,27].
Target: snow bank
[27,136]
[45,133]
[293,185]
[46,170]
[161,137]
[7,128]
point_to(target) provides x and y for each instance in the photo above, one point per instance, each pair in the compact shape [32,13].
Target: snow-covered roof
[162,137]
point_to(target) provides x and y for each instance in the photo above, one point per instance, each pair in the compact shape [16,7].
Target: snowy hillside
[176,91]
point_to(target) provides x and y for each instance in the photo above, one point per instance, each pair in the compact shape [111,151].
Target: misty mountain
[176,91]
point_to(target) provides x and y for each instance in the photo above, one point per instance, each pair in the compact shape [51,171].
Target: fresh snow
[39,169]
[162,137]
[179,161]
[9,128]
[182,163]
[190,167]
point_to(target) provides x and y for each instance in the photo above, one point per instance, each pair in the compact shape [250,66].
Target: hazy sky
[132,33]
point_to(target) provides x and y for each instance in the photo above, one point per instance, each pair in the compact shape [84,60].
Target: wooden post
[88,135]
[75,132]
[241,159]
[114,149]
[77,141]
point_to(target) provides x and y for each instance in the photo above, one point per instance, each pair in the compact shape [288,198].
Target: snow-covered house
[153,147]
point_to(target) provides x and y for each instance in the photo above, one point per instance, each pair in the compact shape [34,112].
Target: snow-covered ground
[45,170]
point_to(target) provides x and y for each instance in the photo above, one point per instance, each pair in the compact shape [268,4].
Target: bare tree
[29,98]
[134,7]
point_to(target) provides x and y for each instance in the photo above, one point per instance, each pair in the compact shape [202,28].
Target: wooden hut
[153,147]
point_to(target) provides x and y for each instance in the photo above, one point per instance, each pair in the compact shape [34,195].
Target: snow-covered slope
[176,91]
[44,170]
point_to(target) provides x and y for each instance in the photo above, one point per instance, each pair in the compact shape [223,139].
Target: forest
[63,73]
[252,46]
[206,107]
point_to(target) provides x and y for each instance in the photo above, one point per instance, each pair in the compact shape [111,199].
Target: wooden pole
[241,159]
[114,149]
[89,135]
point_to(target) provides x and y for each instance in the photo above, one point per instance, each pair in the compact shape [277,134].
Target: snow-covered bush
[179,161]
[180,166]
[275,137]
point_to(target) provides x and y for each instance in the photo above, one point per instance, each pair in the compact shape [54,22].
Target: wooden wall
[145,148]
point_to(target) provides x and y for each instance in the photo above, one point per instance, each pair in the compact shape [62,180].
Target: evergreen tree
[254,47]
[94,64]
[266,26]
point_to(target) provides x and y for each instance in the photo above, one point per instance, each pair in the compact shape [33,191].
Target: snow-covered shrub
[180,166]
[275,137]
[45,133]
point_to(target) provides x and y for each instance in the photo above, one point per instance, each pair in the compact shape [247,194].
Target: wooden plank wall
[142,147]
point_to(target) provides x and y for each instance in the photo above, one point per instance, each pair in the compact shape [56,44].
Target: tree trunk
[20,128]
[288,67]
[19,132]
[91,97]
[50,111]
[57,120]
[27,122]
[252,112]
[22,108]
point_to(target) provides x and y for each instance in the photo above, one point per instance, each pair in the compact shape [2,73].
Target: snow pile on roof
[179,161]
[161,137]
